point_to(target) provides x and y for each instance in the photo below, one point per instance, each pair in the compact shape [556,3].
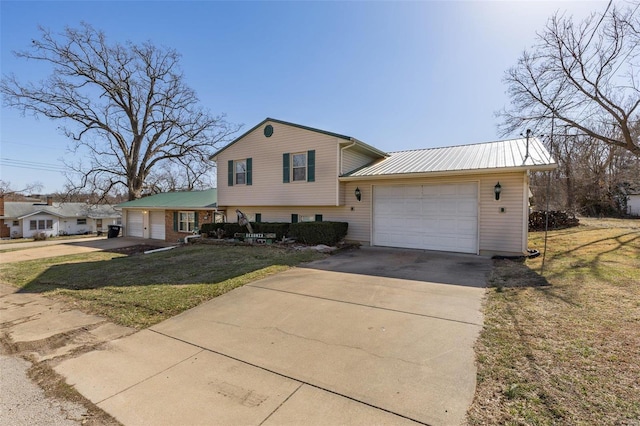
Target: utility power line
[33,165]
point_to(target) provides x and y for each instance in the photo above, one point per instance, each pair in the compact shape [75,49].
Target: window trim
[288,170]
[40,224]
[232,172]
[190,214]
[236,163]
[81,221]
[294,167]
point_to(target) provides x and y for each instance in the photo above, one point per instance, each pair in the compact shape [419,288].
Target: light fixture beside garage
[358,194]
[497,190]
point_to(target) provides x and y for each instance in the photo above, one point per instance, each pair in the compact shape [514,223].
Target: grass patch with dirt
[564,348]
[139,291]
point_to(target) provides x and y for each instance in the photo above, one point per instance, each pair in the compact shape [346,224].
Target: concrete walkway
[330,343]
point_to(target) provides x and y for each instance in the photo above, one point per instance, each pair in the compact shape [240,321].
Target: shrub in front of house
[39,236]
[230,229]
[281,229]
[328,233]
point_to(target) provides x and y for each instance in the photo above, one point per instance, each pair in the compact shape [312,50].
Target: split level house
[24,219]
[468,199]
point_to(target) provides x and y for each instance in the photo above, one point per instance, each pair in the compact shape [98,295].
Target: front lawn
[139,291]
[565,349]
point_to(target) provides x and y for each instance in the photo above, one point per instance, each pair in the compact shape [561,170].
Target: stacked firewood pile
[557,220]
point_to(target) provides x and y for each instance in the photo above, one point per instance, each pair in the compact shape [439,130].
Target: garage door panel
[468,208]
[433,217]
[412,207]
[157,225]
[471,190]
[411,191]
[388,192]
[135,224]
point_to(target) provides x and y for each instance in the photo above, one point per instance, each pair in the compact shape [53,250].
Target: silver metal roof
[490,156]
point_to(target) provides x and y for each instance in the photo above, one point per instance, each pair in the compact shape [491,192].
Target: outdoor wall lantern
[497,190]
[358,194]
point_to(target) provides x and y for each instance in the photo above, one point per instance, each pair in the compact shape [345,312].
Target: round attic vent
[268,130]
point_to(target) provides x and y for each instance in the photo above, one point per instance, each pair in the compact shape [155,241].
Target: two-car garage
[432,217]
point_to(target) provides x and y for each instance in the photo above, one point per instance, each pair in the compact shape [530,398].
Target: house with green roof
[169,216]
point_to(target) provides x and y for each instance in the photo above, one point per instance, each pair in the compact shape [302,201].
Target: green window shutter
[258,217]
[175,221]
[230,173]
[318,218]
[195,220]
[285,168]
[249,168]
[311,166]
[294,218]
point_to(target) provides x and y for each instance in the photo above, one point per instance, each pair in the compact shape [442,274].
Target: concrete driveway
[57,247]
[371,336]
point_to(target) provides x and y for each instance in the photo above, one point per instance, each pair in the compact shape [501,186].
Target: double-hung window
[40,224]
[299,167]
[240,172]
[186,221]
[299,163]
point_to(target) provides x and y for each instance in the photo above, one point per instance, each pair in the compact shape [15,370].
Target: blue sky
[396,75]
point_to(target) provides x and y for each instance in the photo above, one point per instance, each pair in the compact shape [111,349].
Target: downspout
[341,171]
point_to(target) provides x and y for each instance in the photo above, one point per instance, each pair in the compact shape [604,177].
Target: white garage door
[432,217]
[157,225]
[135,224]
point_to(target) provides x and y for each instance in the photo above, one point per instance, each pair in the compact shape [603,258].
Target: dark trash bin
[114,230]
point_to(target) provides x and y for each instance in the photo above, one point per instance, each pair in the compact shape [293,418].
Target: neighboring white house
[26,219]
[633,204]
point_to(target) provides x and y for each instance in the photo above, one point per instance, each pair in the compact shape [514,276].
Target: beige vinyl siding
[503,233]
[266,153]
[352,160]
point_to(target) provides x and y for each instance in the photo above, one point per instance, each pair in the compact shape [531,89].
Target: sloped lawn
[564,349]
[142,290]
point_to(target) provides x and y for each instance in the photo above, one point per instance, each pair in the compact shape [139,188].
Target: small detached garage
[169,216]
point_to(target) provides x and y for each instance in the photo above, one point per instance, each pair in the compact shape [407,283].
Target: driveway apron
[341,341]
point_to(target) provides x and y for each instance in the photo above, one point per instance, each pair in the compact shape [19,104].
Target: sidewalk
[39,328]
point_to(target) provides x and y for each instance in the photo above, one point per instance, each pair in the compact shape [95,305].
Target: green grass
[564,348]
[139,291]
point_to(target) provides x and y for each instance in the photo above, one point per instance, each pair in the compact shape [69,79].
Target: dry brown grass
[564,349]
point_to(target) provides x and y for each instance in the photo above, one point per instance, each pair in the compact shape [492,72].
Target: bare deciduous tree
[125,107]
[585,75]
[6,189]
